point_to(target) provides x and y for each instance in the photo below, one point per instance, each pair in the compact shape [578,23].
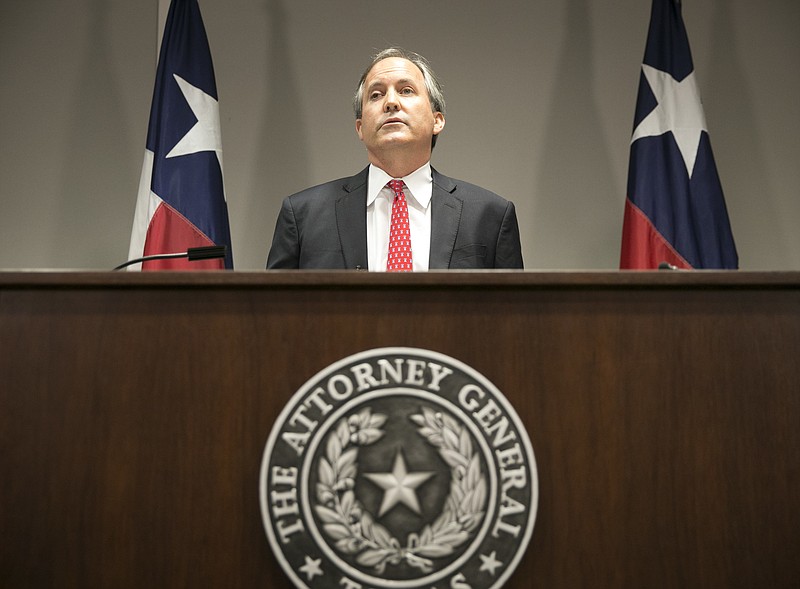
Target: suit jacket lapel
[445,219]
[351,221]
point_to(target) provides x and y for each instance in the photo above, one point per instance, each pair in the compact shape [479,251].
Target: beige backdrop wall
[540,108]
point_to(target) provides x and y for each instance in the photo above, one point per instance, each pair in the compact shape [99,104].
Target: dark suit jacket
[325,227]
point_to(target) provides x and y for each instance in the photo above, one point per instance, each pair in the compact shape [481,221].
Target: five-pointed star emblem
[204,136]
[399,485]
[679,110]
[490,563]
[312,567]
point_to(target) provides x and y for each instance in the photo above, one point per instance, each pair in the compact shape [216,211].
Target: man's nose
[391,102]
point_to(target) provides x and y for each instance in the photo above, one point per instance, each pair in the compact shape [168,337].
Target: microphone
[207,252]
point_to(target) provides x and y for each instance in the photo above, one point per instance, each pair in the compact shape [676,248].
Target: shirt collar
[419,183]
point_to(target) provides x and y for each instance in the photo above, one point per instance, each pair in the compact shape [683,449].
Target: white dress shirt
[418,190]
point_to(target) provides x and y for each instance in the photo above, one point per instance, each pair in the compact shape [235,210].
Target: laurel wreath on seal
[354,530]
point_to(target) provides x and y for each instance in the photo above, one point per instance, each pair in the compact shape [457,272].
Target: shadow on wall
[90,231]
[578,213]
[282,153]
[730,115]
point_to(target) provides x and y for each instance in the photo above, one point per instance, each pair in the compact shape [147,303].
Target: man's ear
[438,123]
[358,129]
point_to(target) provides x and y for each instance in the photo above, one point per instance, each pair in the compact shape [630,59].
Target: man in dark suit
[436,222]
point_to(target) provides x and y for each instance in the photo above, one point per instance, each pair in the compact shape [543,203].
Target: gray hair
[432,84]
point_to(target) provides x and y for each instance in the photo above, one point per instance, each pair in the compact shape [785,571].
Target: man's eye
[407,91]
[375,95]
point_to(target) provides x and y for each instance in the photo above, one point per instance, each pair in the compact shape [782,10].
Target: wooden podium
[663,409]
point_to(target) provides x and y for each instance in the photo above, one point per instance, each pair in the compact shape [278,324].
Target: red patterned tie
[399,232]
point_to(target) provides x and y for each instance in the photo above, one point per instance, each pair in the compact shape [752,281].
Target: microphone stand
[208,252]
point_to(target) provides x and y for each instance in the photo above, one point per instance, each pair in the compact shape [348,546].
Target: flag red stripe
[170,232]
[643,247]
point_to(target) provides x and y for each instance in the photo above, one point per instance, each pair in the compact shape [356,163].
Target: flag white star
[490,563]
[399,485]
[204,135]
[311,568]
[679,110]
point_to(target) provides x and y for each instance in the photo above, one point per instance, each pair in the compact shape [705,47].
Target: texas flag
[675,210]
[181,201]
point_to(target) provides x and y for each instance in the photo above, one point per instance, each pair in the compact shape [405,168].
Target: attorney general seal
[401,468]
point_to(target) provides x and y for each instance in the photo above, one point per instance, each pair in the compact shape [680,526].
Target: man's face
[396,111]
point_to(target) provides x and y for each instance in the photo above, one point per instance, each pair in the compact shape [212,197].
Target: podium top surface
[489,279]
